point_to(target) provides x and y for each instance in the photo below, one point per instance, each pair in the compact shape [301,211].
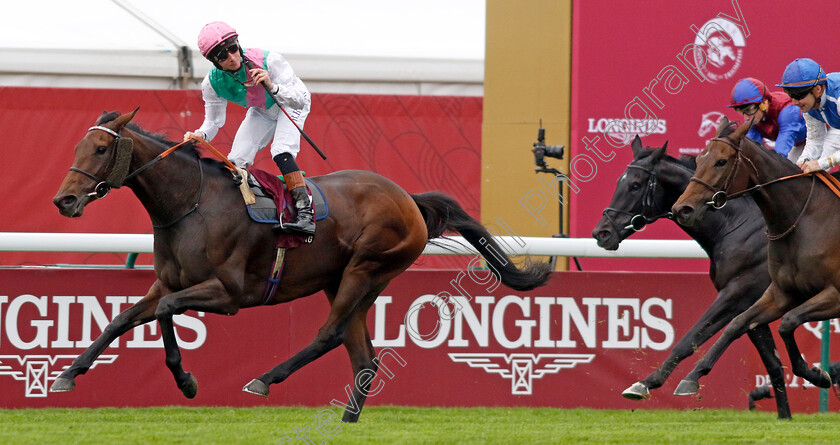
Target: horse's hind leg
[351,293]
[140,313]
[762,338]
[823,306]
[361,352]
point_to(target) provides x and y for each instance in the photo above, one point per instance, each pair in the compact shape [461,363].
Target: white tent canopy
[370,46]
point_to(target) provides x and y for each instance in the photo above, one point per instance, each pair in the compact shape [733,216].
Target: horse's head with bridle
[637,198]
[101,162]
[722,173]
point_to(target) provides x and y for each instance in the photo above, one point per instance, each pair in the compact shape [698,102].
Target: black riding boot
[305,222]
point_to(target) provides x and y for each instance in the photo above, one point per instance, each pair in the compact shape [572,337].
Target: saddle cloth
[271,194]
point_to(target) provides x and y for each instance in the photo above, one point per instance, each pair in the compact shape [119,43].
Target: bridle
[119,165]
[720,196]
[638,221]
[119,172]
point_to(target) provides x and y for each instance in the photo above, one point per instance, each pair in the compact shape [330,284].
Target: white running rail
[572,247]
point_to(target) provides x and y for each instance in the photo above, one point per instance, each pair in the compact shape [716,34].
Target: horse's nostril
[685,211]
[64,202]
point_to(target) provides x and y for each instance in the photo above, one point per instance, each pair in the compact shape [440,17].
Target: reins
[229,165]
[798,217]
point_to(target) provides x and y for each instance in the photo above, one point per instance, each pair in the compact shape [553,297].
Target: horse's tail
[444,214]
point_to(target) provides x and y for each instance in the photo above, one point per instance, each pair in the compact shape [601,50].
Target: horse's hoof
[257,387]
[637,391]
[190,388]
[62,384]
[824,380]
[687,388]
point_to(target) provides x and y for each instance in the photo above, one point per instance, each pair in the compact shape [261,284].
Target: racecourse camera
[541,150]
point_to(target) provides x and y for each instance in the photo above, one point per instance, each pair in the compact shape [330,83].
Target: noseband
[637,220]
[119,171]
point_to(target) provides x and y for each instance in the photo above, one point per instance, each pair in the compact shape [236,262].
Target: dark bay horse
[210,257]
[801,214]
[732,237]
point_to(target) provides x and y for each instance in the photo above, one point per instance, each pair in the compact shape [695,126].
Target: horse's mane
[766,149]
[687,161]
[157,137]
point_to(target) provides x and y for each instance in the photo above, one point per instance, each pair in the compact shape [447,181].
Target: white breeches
[259,127]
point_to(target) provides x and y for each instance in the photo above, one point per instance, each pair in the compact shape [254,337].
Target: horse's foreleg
[350,294]
[762,338]
[765,310]
[823,306]
[139,313]
[210,296]
[713,320]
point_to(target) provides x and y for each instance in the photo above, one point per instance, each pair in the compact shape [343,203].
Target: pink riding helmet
[213,34]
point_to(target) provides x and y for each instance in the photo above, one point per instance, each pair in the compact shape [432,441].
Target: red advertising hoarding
[423,142]
[577,342]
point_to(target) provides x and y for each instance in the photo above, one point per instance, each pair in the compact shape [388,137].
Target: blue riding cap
[802,73]
[747,91]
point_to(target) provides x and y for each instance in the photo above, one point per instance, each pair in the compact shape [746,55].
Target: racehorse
[209,256]
[733,238]
[803,259]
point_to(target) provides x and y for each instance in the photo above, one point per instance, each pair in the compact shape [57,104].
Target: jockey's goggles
[748,109]
[223,51]
[800,93]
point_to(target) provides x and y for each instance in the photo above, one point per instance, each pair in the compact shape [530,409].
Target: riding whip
[251,65]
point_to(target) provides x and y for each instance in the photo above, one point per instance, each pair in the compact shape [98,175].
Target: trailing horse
[209,256]
[734,240]
[800,211]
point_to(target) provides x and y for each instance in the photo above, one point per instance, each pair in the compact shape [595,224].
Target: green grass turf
[389,424]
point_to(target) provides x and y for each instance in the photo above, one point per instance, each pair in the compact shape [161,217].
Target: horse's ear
[657,153]
[121,121]
[724,122]
[636,146]
[741,131]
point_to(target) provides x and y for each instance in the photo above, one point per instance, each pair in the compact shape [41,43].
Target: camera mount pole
[541,150]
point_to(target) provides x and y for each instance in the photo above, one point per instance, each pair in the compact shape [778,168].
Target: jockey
[230,81]
[816,94]
[774,117]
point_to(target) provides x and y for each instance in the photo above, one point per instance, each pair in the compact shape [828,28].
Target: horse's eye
[720,163]
[635,186]
[101,150]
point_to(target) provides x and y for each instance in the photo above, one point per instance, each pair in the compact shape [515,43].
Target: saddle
[269,194]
